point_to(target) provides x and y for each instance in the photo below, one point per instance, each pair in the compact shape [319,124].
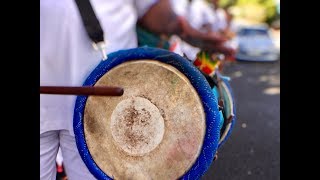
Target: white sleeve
[143,6]
[179,7]
[208,15]
[223,18]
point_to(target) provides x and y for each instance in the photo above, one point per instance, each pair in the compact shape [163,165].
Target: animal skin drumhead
[154,131]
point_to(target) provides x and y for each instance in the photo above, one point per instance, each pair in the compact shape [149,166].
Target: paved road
[253,150]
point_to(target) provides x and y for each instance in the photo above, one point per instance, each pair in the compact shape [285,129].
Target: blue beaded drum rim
[198,81]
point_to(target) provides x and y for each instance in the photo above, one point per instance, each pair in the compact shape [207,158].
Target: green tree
[256,10]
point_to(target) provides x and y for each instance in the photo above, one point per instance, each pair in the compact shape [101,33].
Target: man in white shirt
[222,24]
[200,16]
[197,12]
[67,57]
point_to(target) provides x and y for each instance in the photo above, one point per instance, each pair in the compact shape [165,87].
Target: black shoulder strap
[90,21]
[91,24]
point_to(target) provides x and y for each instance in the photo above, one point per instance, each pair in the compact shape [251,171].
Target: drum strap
[92,25]
[95,32]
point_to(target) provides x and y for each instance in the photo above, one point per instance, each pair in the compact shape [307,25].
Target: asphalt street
[253,150]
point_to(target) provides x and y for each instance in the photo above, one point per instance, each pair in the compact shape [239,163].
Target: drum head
[165,125]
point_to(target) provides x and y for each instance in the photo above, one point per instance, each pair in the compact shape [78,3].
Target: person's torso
[220,21]
[64,39]
[66,53]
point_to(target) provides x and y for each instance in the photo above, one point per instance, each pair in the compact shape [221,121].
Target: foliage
[253,10]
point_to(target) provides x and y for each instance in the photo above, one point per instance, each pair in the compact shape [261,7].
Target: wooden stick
[82,90]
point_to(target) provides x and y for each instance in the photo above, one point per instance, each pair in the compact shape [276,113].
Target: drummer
[202,17]
[222,24]
[66,58]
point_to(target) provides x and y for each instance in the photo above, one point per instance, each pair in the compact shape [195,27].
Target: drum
[210,66]
[228,114]
[165,126]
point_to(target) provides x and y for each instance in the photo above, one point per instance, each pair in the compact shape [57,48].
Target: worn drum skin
[165,126]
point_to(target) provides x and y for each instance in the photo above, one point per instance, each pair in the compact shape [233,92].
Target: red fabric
[197,62]
[59,169]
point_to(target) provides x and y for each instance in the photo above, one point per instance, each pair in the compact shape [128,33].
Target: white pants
[49,144]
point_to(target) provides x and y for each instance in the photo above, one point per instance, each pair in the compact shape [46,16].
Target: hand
[212,42]
[215,38]
[227,51]
[216,43]
[228,34]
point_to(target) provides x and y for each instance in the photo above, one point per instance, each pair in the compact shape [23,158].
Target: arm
[161,19]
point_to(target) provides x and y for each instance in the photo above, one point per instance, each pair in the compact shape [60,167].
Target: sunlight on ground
[273,80]
[263,78]
[237,74]
[272,91]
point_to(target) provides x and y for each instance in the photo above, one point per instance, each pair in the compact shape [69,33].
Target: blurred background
[253,150]
[257,24]
[254,11]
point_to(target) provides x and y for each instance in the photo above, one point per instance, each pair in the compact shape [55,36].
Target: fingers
[220,49]
[215,38]
[227,51]
[217,43]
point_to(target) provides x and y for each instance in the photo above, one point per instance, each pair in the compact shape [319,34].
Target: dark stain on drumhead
[126,73]
[132,117]
[144,96]
[130,73]
[162,113]
[160,109]
[91,125]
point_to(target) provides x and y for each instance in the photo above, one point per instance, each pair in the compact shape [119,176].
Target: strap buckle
[101,46]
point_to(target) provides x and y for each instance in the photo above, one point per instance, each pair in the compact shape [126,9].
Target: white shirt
[220,20]
[197,13]
[67,56]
